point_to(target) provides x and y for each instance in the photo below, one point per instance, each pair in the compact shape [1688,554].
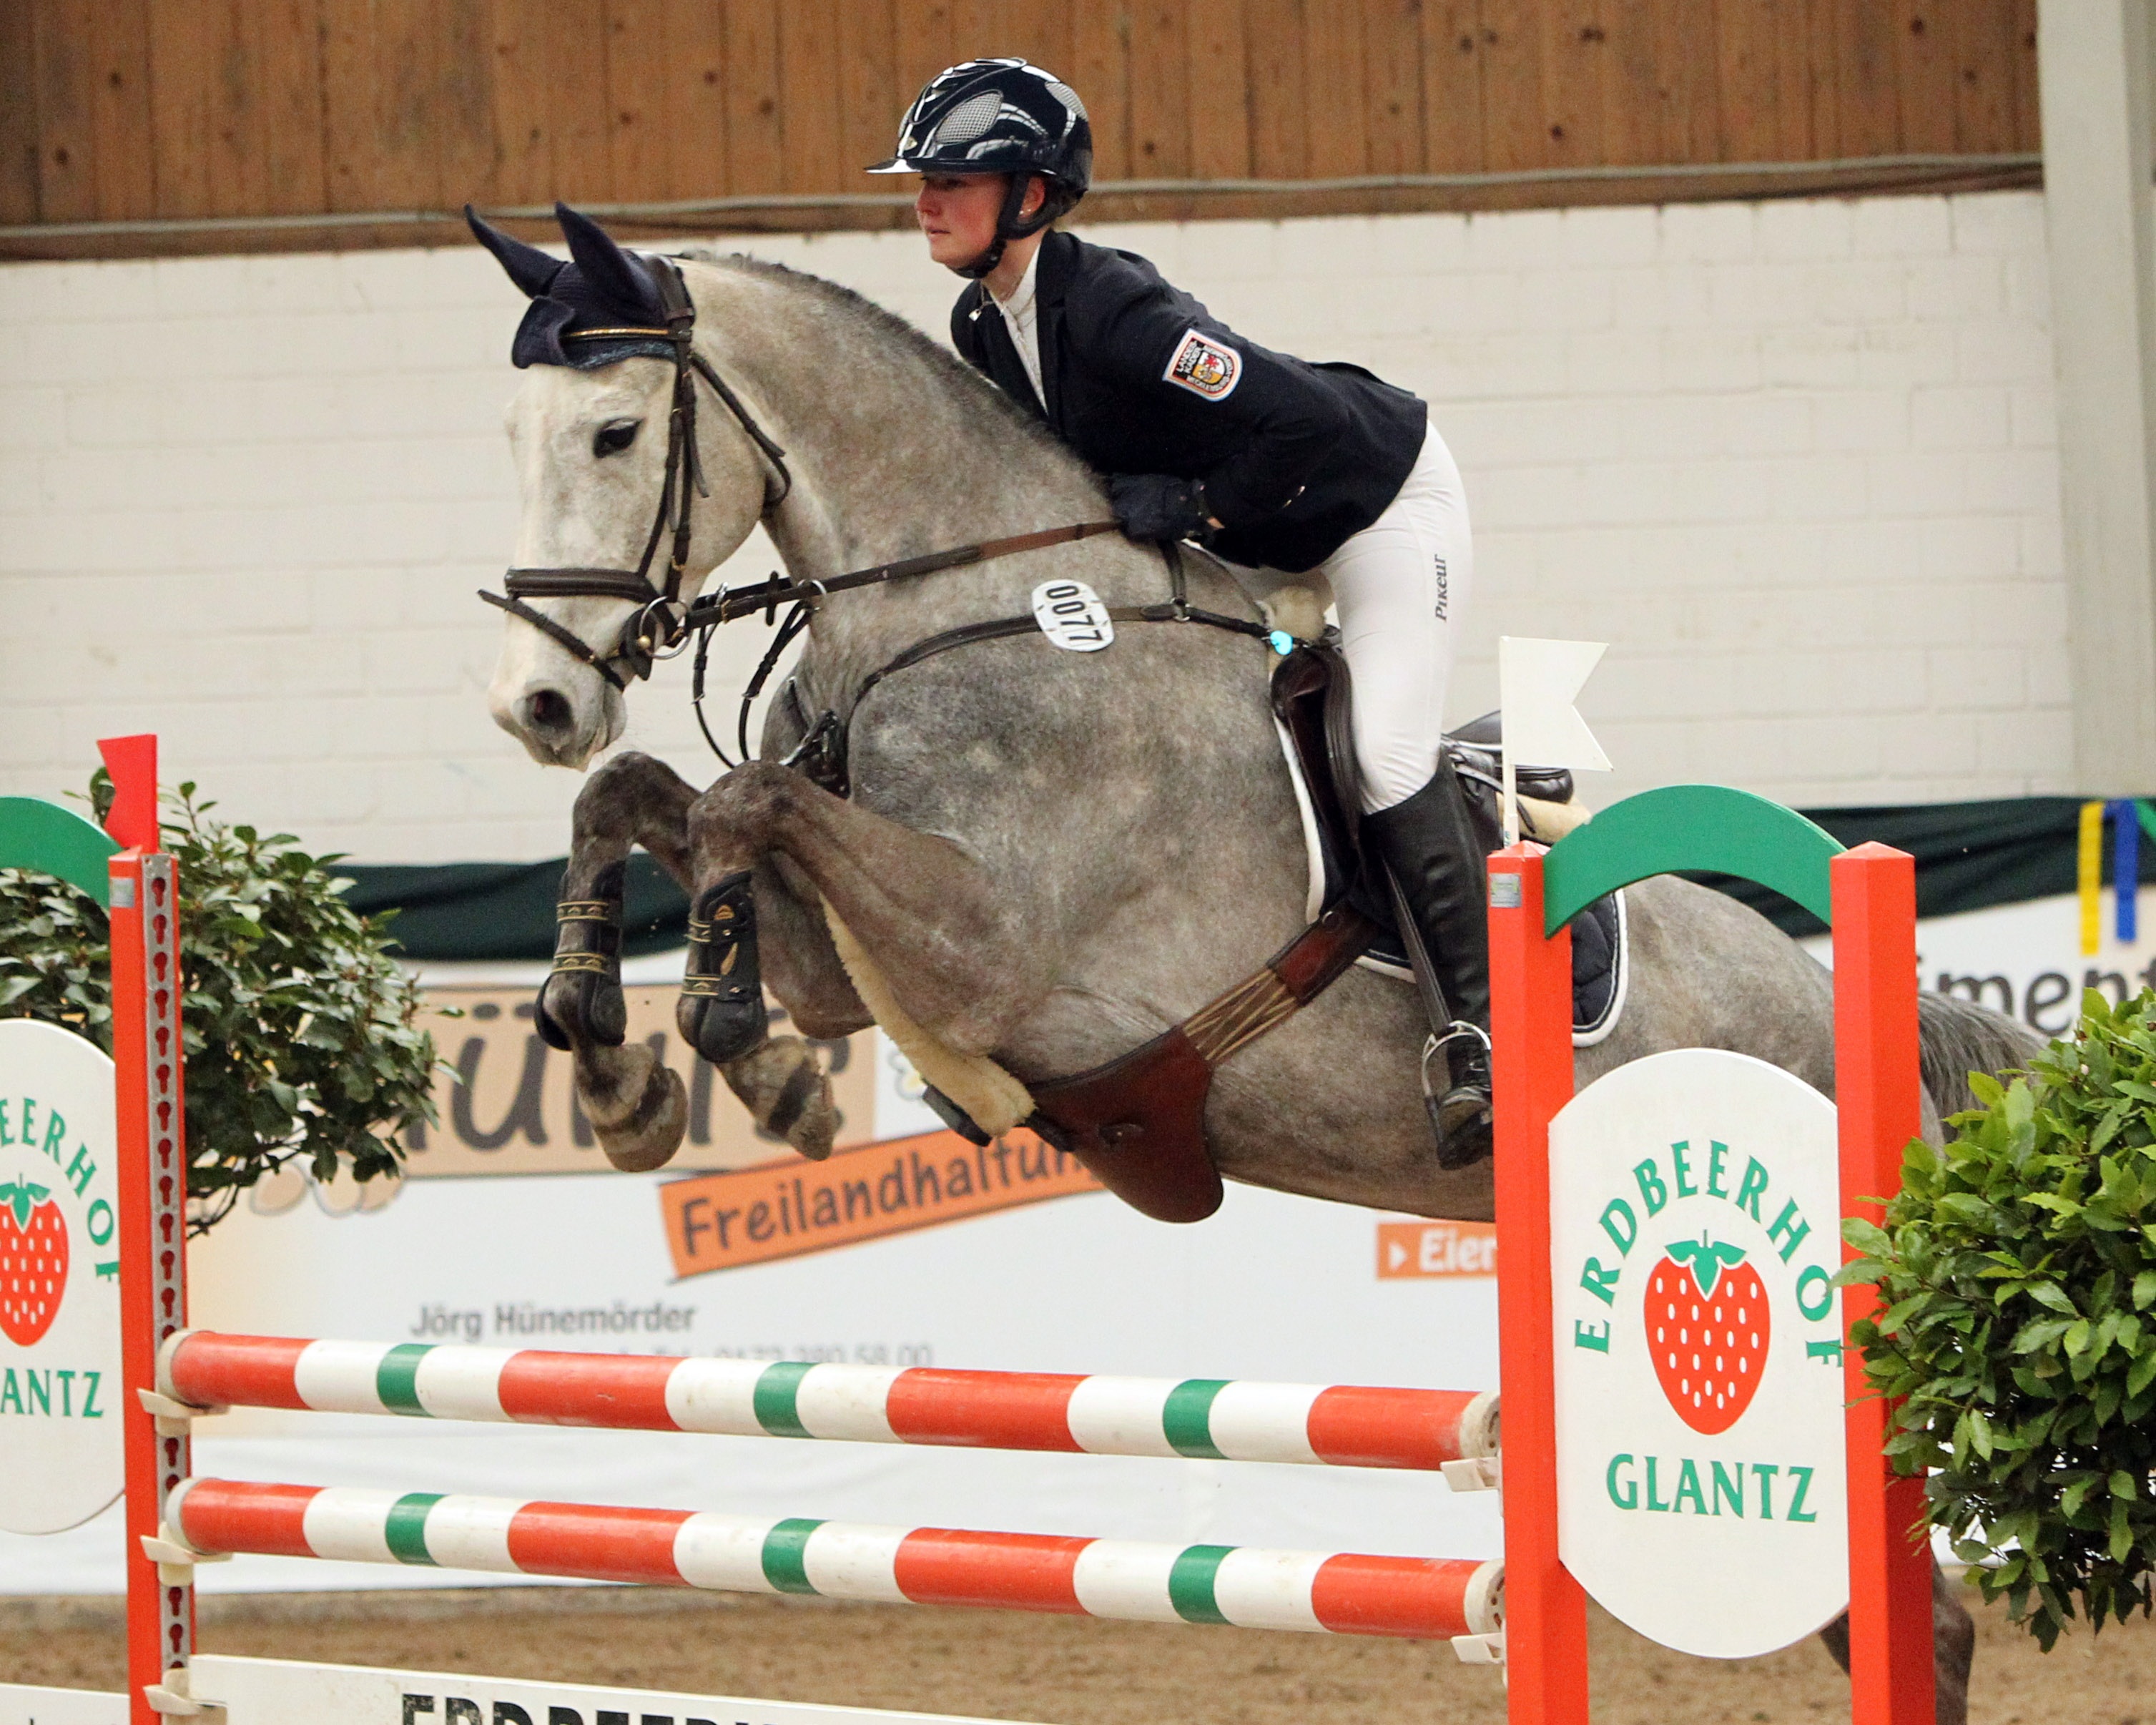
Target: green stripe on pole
[776,1395]
[396,1377]
[405,1530]
[786,1555]
[1186,1418]
[1190,1584]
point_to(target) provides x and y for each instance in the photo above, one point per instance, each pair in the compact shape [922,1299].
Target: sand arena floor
[1058,1671]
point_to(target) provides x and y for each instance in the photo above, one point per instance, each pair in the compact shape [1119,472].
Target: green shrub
[2018,1271]
[301,1045]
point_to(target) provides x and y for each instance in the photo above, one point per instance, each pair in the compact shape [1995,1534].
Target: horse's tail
[1957,1037]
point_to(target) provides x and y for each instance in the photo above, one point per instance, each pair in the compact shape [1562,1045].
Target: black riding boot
[1435,852]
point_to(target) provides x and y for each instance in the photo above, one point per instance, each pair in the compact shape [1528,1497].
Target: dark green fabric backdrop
[1968,856]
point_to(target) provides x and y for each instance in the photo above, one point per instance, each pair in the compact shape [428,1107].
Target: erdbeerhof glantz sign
[1695,1233]
[59,1280]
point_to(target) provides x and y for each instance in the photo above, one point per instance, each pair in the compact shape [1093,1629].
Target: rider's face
[957,214]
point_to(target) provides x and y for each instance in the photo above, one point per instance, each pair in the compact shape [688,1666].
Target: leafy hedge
[299,1031]
[2018,1268]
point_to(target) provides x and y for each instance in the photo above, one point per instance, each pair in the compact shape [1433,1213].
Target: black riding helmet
[1000,116]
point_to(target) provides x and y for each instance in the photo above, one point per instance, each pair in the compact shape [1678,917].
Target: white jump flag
[1537,682]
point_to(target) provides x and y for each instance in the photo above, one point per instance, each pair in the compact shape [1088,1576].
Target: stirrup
[1459,1117]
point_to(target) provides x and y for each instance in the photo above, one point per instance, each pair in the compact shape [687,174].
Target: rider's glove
[1158,506]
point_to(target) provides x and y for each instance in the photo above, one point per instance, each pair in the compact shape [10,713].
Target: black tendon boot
[1436,855]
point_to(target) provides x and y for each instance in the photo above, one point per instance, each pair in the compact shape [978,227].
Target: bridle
[661,621]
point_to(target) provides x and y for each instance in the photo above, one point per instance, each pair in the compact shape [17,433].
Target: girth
[1138,1123]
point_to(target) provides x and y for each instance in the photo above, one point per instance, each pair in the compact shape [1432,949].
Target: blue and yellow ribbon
[2130,818]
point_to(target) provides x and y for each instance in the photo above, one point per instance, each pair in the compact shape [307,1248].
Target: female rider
[1273,462]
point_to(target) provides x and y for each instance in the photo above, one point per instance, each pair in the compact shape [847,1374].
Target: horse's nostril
[550,710]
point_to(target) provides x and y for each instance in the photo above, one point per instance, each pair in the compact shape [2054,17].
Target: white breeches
[1400,586]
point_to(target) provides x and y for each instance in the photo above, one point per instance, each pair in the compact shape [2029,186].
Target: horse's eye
[613,439]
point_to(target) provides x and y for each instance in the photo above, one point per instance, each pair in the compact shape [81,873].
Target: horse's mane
[942,368]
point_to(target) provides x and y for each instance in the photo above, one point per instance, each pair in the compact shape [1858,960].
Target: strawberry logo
[34,1261]
[1707,1327]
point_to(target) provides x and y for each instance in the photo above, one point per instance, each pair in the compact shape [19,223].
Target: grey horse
[1045,857]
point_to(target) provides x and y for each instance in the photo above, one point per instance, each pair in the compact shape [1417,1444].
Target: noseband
[660,620]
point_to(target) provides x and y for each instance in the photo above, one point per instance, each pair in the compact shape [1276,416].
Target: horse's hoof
[584,1006]
[635,1103]
[783,1086]
[720,1013]
[655,1130]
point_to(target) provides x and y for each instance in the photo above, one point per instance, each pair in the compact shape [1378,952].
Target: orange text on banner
[1418,1250]
[781,1209]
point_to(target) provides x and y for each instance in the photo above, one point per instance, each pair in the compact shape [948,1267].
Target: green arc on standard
[1689,826]
[41,835]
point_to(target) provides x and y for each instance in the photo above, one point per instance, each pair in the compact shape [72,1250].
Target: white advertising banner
[1702,1481]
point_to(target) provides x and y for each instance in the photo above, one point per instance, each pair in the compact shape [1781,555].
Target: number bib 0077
[1071,615]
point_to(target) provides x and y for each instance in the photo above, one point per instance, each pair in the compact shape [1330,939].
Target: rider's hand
[1158,506]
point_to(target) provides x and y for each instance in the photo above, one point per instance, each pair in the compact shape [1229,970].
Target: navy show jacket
[1296,457]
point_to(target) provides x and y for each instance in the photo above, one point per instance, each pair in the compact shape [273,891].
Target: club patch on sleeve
[1205,367]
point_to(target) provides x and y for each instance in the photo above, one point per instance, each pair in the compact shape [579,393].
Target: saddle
[1138,1123]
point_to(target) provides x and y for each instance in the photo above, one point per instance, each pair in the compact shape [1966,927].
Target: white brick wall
[1795,461]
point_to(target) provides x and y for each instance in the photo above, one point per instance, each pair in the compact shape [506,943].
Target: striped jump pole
[1339,1592]
[1337,1426]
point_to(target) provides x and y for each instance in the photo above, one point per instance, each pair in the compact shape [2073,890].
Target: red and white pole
[148,1058]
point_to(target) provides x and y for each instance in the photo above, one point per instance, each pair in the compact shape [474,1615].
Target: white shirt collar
[1018,308]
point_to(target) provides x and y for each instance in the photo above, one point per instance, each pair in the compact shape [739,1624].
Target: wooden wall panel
[755,148]
[1099,72]
[1280,106]
[20,168]
[2028,126]
[1452,91]
[1160,91]
[1392,71]
[870,98]
[1857,107]
[288,37]
[518,92]
[808,95]
[1516,108]
[1925,75]
[181,102]
[117,111]
[640,130]
[578,109]
[1333,84]
[66,108]
[1219,79]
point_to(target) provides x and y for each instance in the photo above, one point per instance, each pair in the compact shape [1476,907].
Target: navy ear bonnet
[576,306]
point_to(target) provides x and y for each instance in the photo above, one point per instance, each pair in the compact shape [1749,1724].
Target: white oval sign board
[59,1280]
[1695,1223]
[1071,615]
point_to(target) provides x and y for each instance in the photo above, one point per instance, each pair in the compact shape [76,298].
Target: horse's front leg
[634,1101]
[926,913]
